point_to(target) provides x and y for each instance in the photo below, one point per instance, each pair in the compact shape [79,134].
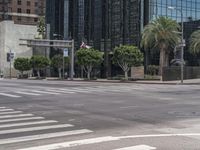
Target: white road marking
[2,107]
[15,116]
[27,93]
[21,119]
[71,144]
[43,136]
[9,95]
[45,92]
[101,140]
[138,147]
[35,128]
[27,123]
[81,90]
[10,112]
[2,110]
[59,91]
[126,107]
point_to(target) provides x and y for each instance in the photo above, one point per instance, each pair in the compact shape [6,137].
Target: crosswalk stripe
[27,123]
[21,119]
[16,116]
[10,112]
[138,147]
[9,95]
[35,128]
[2,107]
[78,90]
[27,93]
[45,92]
[43,136]
[2,110]
[59,91]
[72,143]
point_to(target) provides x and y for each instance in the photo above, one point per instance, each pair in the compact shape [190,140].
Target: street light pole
[182,47]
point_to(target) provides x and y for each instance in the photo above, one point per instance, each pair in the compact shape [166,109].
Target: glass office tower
[191,18]
[190,9]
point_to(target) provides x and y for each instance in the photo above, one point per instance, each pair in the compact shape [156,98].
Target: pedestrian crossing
[24,127]
[111,89]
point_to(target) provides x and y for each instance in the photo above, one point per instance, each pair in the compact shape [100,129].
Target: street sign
[10,56]
[65,52]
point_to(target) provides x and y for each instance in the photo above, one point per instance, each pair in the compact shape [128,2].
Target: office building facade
[190,10]
[24,12]
[105,24]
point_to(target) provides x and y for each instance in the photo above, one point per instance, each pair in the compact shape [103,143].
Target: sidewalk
[186,82]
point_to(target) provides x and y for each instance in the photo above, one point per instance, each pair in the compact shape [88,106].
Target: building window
[35,19]
[28,11]
[28,3]
[19,2]
[19,10]
[36,4]
[19,18]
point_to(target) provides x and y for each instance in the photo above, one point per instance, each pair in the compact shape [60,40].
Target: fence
[174,73]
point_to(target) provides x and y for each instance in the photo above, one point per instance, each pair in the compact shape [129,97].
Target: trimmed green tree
[38,63]
[22,64]
[88,58]
[195,42]
[161,34]
[57,62]
[127,56]
[41,27]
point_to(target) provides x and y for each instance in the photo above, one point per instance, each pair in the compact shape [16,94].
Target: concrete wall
[10,35]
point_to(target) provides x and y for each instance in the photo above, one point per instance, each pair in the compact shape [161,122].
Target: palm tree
[195,42]
[162,34]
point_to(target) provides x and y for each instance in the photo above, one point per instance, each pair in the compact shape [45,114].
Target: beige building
[24,12]
[10,35]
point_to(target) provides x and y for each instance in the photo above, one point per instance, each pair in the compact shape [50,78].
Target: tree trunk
[38,73]
[59,72]
[126,75]
[88,75]
[166,59]
[162,61]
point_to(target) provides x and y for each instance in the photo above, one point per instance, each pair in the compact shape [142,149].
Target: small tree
[22,64]
[57,62]
[39,62]
[88,58]
[41,27]
[127,56]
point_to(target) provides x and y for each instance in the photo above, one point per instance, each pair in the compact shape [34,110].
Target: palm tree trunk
[166,63]
[162,61]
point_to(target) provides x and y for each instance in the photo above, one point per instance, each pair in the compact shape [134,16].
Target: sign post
[66,45]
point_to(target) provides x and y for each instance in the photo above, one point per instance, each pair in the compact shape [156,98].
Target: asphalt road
[47,115]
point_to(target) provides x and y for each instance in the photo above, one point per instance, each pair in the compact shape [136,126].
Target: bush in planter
[22,64]
[152,70]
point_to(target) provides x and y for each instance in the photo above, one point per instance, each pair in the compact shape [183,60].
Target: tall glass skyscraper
[191,18]
[105,24]
[190,9]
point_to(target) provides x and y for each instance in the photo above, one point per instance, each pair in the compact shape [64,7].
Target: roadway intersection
[44,115]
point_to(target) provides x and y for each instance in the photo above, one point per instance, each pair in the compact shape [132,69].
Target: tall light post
[182,41]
